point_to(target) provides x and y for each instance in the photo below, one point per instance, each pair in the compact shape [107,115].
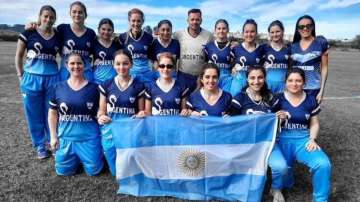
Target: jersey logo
[31,53]
[214,58]
[88,44]
[156,109]
[307,116]
[69,46]
[63,108]
[177,100]
[89,105]
[132,99]
[257,60]
[130,48]
[145,48]
[286,56]
[111,104]
[242,61]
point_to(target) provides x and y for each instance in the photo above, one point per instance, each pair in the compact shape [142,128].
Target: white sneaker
[278,196]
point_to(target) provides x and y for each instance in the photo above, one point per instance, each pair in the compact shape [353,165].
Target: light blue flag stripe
[221,188]
[191,130]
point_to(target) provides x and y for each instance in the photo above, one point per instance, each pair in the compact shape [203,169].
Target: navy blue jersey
[103,60]
[309,60]
[196,102]
[220,56]
[276,63]
[122,102]
[245,105]
[41,52]
[244,58]
[73,43]
[166,103]
[77,111]
[139,49]
[299,116]
[157,48]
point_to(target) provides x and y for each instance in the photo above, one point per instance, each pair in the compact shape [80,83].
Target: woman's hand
[31,26]
[54,143]
[282,115]
[195,113]
[319,96]
[185,112]
[103,119]
[140,114]
[311,145]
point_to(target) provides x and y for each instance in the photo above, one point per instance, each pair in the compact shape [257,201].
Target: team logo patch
[88,44]
[89,105]
[191,162]
[31,54]
[63,108]
[145,47]
[307,116]
[257,60]
[286,56]
[132,99]
[177,100]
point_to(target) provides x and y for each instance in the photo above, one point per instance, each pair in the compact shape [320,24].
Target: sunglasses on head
[308,26]
[169,66]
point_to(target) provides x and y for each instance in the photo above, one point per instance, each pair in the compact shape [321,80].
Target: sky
[335,19]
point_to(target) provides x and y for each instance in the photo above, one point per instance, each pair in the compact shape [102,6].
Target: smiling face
[75,66]
[210,79]
[194,21]
[294,83]
[122,65]
[165,67]
[256,80]
[249,33]
[136,22]
[276,34]
[221,31]
[77,14]
[165,32]
[106,31]
[47,19]
[305,27]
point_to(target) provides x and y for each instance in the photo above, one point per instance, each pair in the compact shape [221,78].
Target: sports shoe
[278,196]
[42,153]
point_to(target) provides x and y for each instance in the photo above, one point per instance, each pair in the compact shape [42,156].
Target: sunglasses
[308,26]
[168,66]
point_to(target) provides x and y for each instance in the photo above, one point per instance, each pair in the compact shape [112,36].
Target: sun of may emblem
[191,162]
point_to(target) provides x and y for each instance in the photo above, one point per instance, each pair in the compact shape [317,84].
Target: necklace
[254,96]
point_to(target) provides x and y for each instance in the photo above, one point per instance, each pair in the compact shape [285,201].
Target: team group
[191,72]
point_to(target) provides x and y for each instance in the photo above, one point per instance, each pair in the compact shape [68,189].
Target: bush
[6,37]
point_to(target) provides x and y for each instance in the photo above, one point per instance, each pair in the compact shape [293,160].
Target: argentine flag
[195,158]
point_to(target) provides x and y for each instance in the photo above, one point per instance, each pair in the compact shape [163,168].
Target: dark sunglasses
[169,66]
[308,26]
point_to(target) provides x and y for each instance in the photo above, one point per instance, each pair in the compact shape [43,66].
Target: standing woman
[164,43]
[38,74]
[77,38]
[166,96]
[119,97]
[138,42]
[297,139]
[276,57]
[103,51]
[310,53]
[246,54]
[209,99]
[218,52]
[72,121]
[257,99]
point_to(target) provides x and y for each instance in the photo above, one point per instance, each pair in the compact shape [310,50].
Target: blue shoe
[42,153]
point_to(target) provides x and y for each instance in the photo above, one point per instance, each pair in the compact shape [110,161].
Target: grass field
[24,178]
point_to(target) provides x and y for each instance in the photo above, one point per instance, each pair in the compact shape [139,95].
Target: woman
[103,51]
[164,43]
[276,57]
[166,96]
[218,52]
[119,97]
[246,54]
[297,139]
[257,99]
[209,99]
[40,71]
[137,42]
[72,121]
[310,53]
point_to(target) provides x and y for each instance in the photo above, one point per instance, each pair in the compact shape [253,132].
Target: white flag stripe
[164,162]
